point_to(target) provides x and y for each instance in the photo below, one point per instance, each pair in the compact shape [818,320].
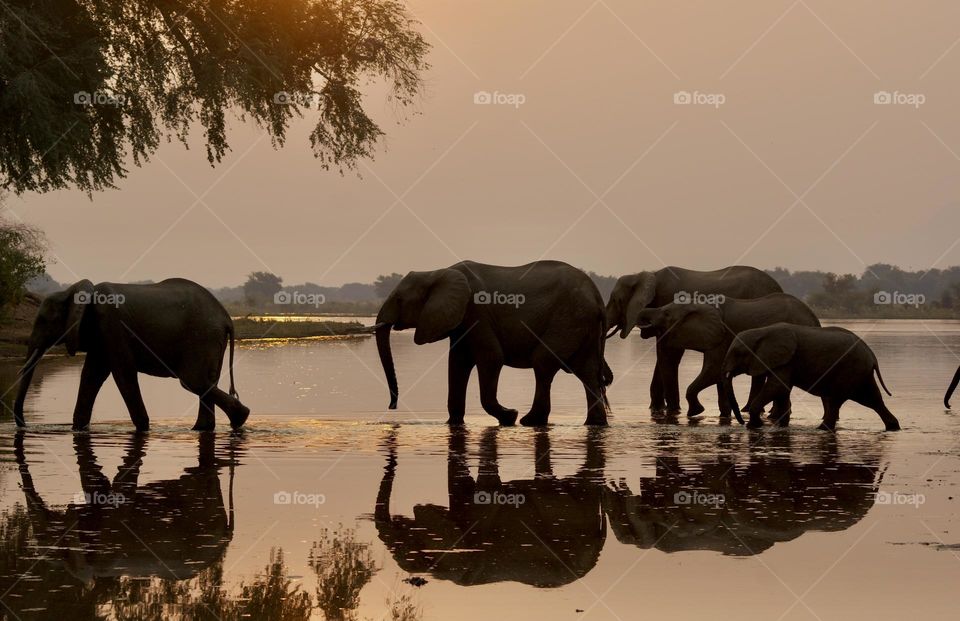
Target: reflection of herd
[731,505]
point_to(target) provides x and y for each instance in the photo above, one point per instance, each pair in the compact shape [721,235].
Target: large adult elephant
[546,315]
[545,532]
[951,388]
[636,292]
[711,328]
[174,328]
[119,528]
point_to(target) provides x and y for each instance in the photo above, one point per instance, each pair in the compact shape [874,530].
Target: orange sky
[599,167]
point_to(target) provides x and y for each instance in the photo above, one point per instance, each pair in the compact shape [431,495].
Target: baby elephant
[174,328]
[711,329]
[831,363]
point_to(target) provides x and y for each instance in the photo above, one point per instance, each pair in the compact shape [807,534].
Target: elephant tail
[233,389]
[876,368]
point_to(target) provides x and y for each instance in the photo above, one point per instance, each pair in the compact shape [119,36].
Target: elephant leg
[236,412]
[94,374]
[773,389]
[872,398]
[205,417]
[756,383]
[459,367]
[489,376]
[831,413]
[129,388]
[670,377]
[709,375]
[539,412]
[656,388]
[780,412]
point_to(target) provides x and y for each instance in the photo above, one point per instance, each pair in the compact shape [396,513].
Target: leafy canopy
[88,85]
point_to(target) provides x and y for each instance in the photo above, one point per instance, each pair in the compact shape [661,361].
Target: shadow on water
[548,531]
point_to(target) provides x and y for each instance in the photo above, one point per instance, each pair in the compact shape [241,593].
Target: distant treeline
[882,290]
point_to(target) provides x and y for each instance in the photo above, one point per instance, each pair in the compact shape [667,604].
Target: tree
[87,86]
[384,285]
[261,287]
[22,249]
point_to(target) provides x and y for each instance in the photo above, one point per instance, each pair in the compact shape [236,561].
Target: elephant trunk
[953,386]
[732,395]
[26,376]
[386,359]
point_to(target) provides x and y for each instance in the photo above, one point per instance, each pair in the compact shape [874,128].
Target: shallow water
[327,502]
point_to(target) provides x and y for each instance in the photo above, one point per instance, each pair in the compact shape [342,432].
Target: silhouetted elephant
[547,316]
[636,292]
[951,388]
[545,532]
[711,328]
[167,529]
[174,328]
[743,509]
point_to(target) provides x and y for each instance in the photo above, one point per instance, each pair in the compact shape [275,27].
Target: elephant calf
[174,328]
[546,315]
[710,329]
[831,363]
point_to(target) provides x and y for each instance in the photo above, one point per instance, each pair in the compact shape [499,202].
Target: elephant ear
[79,299]
[643,293]
[773,350]
[444,308]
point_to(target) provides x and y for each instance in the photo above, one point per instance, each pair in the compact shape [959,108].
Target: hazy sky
[798,167]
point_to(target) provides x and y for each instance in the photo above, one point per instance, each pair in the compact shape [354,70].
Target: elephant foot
[599,420]
[755,422]
[455,421]
[695,410]
[534,419]
[203,427]
[893,426]
[239,416]
[507,417]
[673,410]
[824,426]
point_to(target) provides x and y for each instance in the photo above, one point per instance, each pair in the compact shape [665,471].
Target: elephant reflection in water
[545,532]
[115,535]
[743,509]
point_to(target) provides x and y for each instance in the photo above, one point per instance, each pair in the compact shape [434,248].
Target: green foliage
[88,85]
[261,287]
[384,285]
[21,258]
[343,566]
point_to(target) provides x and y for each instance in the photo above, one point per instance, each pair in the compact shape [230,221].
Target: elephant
[545,532]
[710,329]
[545,315]
[740,507]
[635,292]
[951,388]
[174,328]
[832,363]
[170,529]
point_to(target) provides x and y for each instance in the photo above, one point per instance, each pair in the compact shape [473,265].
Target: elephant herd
[547,316]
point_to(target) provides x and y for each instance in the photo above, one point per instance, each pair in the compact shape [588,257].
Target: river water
[327,505]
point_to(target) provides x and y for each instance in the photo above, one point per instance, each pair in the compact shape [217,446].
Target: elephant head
[756,352]
[688,326]
[630,295]
[59,321]
[432,302]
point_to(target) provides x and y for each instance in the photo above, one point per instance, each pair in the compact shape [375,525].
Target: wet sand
[326,503]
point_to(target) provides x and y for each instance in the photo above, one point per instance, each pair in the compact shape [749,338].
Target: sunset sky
[785,159]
